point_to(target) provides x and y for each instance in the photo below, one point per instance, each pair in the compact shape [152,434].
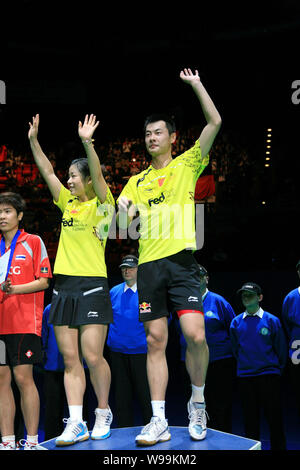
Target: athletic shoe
[101,429]
[156,431]
[74,432]
[29,446]
[197,417]
[7,446]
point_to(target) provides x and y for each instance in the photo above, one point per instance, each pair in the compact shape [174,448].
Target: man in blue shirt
[218,315]
[128,348]
[259,345]
[291,323]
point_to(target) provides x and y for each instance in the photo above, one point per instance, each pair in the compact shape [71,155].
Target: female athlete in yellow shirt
[80,306]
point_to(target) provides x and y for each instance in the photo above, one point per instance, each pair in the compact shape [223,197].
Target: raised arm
[211,114]
[42,162]
[86,131]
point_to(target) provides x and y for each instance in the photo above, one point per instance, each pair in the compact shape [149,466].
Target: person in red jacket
[24,275]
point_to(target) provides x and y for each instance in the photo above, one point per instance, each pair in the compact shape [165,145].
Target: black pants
[55,403]
[219,385]
[294,376]
[263,392]
[129,378]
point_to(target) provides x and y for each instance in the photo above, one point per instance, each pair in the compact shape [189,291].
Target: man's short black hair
[14,200]
[170,123]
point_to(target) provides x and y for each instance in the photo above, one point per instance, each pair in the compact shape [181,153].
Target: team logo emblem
[145,307]
[29,354]
[161,181]
[209,313]
[264,331]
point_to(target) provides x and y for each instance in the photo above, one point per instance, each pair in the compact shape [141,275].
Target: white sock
[75,413]
[33,439]
[9,439]
[197,394]
[158,408]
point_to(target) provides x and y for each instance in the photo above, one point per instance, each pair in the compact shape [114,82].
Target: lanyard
[12,250]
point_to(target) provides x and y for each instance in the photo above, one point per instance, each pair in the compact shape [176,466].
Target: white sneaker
[28,446]
[74,432]
[197,417]
[101,429]
[7,446]
[156,431]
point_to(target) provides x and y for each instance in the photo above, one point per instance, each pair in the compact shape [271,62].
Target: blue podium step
[124,439]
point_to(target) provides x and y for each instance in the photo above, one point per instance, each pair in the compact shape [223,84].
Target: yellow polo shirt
[164,199]
[84,231]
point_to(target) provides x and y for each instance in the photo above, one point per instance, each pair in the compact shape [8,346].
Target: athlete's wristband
[88,141]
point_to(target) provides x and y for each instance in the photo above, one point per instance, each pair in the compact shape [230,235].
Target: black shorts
[169,285]
[19,349]
[78,300]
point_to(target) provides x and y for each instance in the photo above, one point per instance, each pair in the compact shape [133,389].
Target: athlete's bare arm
[86,131]
[42,162]
[37,285]
[211,114]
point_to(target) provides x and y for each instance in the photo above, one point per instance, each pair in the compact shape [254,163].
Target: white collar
[259,313]
[299,290]
[133,288]
[205,293]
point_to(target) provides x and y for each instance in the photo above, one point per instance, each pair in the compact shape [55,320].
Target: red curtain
[205,187]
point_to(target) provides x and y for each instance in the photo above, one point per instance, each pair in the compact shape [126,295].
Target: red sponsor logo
[29,354]
[145,307]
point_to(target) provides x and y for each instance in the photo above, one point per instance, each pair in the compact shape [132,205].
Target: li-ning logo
[156,200]
[192,299]
[92,314]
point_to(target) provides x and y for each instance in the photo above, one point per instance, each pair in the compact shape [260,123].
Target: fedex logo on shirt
[157,200]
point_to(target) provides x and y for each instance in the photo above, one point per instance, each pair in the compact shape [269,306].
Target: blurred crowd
[234,180]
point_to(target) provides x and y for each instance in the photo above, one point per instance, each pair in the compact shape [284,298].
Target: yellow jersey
[84,231]
[164,199]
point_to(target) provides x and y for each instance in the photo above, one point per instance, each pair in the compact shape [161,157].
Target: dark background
[64,60]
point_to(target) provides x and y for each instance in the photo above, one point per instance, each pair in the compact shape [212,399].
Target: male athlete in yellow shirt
[168,274]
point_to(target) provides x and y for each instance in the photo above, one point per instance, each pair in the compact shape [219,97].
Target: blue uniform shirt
[258,344]
[218,315]
[291,318]
[126,333]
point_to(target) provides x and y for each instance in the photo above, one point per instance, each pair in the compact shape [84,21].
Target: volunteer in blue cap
[128,349]
[259,345]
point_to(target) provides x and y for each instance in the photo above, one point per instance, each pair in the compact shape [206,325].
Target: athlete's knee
[71,361]
[23,378]
[93,359]
[156,341]
[197,339]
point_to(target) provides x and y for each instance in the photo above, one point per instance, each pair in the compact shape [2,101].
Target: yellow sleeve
[129,191]
[64,196]
[193,157]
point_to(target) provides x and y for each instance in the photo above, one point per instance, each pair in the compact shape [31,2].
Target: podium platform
[124,439]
